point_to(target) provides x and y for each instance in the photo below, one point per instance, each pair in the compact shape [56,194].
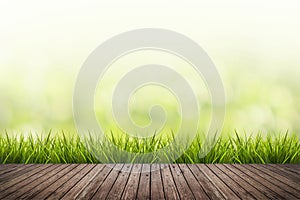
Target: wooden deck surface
[144,181]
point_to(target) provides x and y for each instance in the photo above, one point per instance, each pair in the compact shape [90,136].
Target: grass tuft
[60,148]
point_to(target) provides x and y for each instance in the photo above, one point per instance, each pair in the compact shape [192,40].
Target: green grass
[50,148]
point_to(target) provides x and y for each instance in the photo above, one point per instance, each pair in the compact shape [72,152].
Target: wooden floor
[144,181]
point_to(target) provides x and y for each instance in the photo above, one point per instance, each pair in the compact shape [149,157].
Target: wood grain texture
[149,181]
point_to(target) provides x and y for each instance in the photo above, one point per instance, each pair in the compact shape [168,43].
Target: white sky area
[65,31]
[39,38]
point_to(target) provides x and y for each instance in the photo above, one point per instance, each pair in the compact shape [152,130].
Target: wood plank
[195,187]
[226,191]
[282,180]
[26,180]
[293,169]
[234,186]
[132,185]
[119,186]
[104,189]
[238,179]
[144,185]
[63,189]
[277,179]
[48,180]
[28,188]
[169,186]
[208,186]
[265,180]
[181,184]
[282,170]
[53,187]
[248,177]
[9,165]
[77,189]
[296,167]
[92,187]
[156,185]
[13,181]
[5,168]
[10,174]
[145,181]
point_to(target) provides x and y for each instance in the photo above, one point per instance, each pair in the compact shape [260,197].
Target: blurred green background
[255,46]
